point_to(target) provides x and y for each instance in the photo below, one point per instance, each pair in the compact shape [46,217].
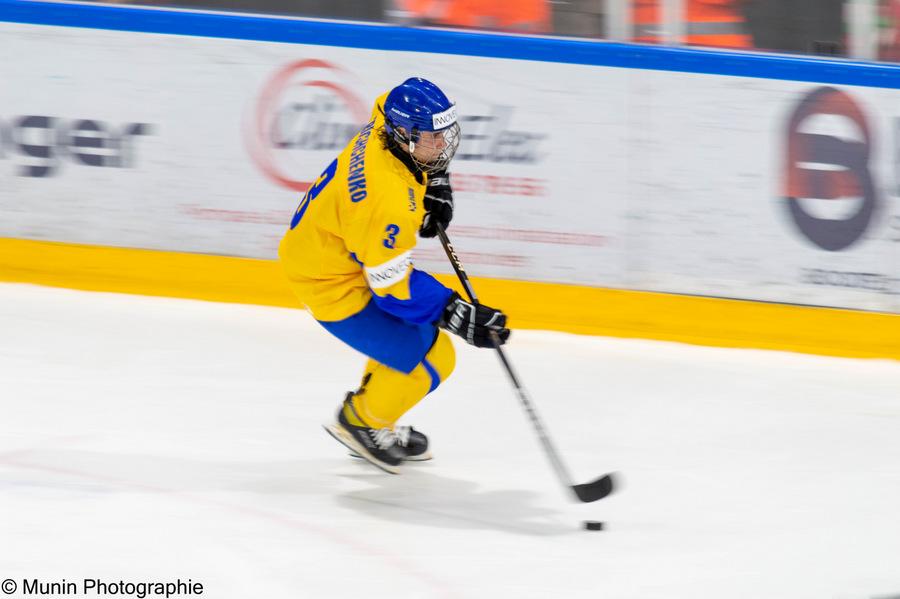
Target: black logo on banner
[38,144]
[820,166]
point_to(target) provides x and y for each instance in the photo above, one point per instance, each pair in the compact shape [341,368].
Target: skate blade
[350,443]
[419,458]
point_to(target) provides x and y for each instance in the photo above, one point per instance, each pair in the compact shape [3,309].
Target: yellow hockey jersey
[351,239]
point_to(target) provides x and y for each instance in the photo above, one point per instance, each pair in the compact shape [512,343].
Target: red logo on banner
[305,115]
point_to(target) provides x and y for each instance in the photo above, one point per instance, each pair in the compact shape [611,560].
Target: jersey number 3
[314,190]
[391,240]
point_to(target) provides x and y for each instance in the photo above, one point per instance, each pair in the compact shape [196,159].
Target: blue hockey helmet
[417,112]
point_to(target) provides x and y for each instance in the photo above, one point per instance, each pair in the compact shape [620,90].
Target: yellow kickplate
[569,308]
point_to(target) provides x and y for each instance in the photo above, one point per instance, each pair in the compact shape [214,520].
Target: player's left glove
[438,204]
[476,323]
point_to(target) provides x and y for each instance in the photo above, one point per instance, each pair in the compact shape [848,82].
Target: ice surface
[147,439]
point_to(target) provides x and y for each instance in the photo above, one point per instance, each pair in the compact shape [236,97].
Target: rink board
[586,310]
[608,169]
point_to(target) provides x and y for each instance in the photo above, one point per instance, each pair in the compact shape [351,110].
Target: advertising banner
[205,145]
[767,190]
[710,185]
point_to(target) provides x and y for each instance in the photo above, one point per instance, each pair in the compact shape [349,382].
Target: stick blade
[596,490]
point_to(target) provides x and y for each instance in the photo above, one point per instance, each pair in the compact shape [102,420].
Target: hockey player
[348,258]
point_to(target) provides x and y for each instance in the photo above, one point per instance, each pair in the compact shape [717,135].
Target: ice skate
[377,446]
[413,442]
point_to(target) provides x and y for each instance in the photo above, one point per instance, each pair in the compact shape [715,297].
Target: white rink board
[592,175]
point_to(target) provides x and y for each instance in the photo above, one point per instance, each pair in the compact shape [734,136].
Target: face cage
[451,137]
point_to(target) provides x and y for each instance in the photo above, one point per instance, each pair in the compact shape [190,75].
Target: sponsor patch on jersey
[444,119]
[390,272]
[412,199]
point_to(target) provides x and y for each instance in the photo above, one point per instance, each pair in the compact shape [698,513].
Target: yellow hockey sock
[386,394]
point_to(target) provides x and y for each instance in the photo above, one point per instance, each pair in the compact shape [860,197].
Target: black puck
[593,525]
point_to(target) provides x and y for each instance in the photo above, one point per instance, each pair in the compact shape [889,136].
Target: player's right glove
[438,204]
[474,322]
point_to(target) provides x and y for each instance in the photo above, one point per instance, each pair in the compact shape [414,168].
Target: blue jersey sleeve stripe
[435,377]
[427,300]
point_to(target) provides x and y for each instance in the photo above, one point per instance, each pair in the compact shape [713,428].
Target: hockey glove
[438,204]
[474,322]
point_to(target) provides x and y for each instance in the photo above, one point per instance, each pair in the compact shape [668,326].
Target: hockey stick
[586,492]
